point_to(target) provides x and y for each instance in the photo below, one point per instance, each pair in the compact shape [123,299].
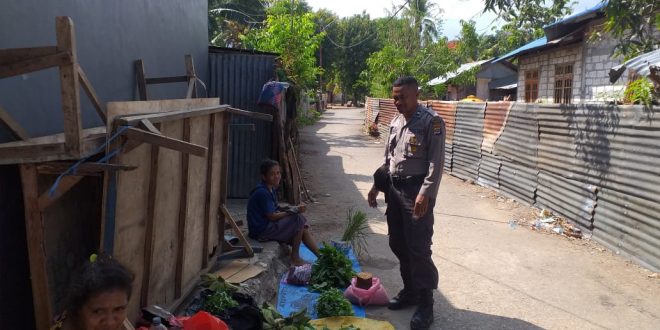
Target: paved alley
[492,275]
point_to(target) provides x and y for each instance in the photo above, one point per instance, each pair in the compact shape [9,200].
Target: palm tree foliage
[229,19]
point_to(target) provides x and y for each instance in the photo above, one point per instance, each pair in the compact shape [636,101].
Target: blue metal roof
[578,17]
[558,29]
[534,44]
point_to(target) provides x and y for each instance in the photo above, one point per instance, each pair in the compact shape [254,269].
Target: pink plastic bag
[376,295]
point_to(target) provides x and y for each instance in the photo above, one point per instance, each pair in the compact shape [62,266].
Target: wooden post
[183,211]
[141,79]
[35,238]
[192,77]
[209,188]
[14,128]
[224,170]
[66,42]
[149,227]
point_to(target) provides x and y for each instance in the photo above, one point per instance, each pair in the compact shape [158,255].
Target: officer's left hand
[421,206]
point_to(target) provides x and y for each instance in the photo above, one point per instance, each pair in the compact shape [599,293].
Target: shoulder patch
[438,125]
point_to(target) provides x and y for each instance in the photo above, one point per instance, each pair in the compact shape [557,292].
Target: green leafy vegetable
[333,303]
[273,320]
[356,230]
[218,302]
[331,270]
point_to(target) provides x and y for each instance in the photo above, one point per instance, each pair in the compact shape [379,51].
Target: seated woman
[268,222]
[98,296]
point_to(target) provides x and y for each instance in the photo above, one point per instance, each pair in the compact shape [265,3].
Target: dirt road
[492,275]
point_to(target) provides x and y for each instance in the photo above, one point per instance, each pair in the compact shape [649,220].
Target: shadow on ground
[334,159]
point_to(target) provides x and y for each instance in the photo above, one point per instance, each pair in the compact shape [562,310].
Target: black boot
[423,317]
[404,299]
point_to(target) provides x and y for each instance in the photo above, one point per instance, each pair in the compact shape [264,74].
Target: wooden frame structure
[75,142]
[169,208]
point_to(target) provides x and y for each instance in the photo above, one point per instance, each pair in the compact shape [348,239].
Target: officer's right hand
[371,198]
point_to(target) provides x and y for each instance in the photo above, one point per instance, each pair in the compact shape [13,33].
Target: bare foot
[298,262]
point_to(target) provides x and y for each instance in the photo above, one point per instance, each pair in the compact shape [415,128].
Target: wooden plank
[208,188]
[66,42]
[192,76]
[12,55]
[183,208]
[91,93]
[67,182]
[244,242]
[191,88]
[166,80]
[62,58]
[215,231]
[141,80]
[35,238]
[135,108]
[49,148]
[149,227]
[196,206]
[14,128]
[84,169]
[224,171]
[251,114]
[147,125]
[165,142]
[172,115]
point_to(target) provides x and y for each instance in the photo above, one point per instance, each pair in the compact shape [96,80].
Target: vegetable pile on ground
[220,298]
[333,303]
[332,269]
[273,320]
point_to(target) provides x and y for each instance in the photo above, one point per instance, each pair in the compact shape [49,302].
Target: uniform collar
[417,115]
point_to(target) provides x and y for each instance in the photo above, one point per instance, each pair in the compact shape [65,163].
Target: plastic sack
[204,321]
[375,295]
[299,275]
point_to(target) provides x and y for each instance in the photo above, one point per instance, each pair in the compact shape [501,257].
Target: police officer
[415,156]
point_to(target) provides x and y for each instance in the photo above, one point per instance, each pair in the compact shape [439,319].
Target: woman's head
[99,294]
[270,172]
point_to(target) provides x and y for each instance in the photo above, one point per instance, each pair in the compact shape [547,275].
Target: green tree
[529,14]
[290,31]
[635,24]
[329,54]
[357,42]
[469,43]
[420,14]
[229,19]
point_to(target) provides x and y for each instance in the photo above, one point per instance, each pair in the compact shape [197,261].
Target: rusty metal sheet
[489,171]
[386,112]
[446,110]
[629,225]
[573,200]
[494,119]
[518,181]
[520,138]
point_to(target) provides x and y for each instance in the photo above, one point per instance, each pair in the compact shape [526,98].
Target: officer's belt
[408,179]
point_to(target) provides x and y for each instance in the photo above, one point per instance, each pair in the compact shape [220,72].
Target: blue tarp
[292,298]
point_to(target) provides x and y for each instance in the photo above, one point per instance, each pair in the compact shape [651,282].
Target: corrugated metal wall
[468,138]
[447,110]
[595,165]
[237,78]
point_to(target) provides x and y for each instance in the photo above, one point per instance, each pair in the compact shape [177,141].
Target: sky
[453,11]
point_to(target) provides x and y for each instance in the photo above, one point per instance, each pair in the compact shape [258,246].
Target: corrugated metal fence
[237,77]
[595,165]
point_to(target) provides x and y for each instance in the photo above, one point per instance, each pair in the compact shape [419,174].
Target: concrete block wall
[545,62]
[598,61]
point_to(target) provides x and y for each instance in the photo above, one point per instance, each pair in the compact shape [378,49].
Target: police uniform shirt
[416,148]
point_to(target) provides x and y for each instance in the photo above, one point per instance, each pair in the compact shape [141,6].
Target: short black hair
[406,81]
[266,165]
[94,277]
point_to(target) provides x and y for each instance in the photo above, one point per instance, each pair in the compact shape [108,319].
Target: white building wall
[545,62]
[598,61]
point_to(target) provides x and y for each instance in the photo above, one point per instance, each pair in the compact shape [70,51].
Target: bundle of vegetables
[220,297]
[332,269]
[273,320]
[333,303]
